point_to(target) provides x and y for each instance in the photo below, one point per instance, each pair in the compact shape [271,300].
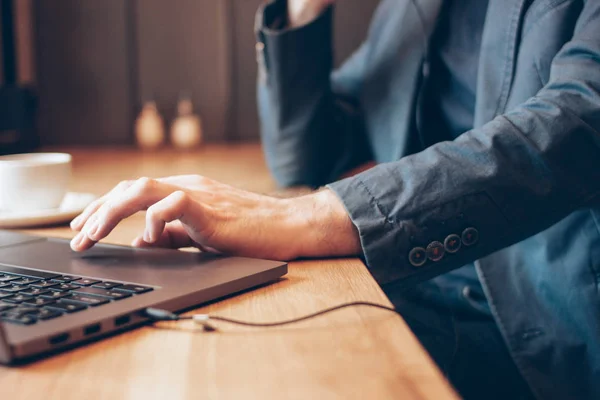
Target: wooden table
[354,353]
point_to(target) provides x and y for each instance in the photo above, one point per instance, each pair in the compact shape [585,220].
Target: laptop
[52,298]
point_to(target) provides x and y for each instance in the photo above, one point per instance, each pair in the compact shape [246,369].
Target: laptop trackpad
[8,238]
[106,262]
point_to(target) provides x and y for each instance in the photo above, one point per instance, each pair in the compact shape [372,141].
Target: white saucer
[73,204]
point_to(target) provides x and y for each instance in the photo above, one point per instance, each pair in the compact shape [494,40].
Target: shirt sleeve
[493,186]
[312,128]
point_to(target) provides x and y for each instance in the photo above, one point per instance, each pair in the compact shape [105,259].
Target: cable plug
[158,314]
[202,319]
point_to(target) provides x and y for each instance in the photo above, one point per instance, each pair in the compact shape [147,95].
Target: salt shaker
[186,130]
[149,127]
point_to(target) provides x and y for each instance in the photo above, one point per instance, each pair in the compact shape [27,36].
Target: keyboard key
[86,282]
[35,291]
[39,302]
[117,295]
[45,284]
[106,285]
[6,307]
[87,300]
[65,287]
[18,298]
[64,306]
[5,295]
[55,294]
[17,318]
[10,270]
[134,289]
[24,281]
[46,313]
[14,288]
[108,294]
[21,309]
[7,277]
[67,278]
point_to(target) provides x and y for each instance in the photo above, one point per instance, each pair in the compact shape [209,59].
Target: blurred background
[77,72]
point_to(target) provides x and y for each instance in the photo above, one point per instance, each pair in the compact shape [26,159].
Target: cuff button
[435,251]
[417,257]
[470,236]
[452,243]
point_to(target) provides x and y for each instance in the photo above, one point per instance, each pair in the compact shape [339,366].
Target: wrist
[322,226]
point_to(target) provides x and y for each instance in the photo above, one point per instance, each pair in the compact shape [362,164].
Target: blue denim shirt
[524,182]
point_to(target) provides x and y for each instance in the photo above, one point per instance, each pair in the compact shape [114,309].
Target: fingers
[81,242]
[164,241]
[137,197]
[184,181]
[177,206]
[165,202]
[174,236]
[78,223]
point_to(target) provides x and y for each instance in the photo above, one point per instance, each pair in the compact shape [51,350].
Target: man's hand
[301,12]
[190,210]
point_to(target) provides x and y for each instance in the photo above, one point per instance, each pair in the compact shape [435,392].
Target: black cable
[164,315]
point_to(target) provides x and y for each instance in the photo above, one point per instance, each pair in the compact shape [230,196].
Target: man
[484,120]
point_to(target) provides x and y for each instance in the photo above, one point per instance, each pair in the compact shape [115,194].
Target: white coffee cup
[35,181]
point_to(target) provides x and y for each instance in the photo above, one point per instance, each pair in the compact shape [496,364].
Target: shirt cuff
[406,243]
[376,232]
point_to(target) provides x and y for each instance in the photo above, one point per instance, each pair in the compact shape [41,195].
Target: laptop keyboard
[28,297]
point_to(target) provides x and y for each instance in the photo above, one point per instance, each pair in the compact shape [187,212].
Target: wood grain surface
[354,353]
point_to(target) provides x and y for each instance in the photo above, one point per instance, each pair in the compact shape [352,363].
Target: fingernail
[75,222]
[93,230]
[76,241]
[147,236]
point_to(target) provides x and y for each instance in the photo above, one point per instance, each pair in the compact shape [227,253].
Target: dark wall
[97,61]
[1,56]
[83,72]
[183,46]
[21,37]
